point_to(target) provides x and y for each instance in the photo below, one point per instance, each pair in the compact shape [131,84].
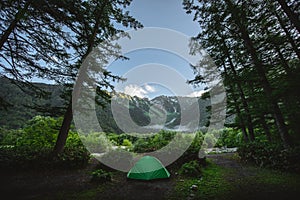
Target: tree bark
[293,17]
[64,130]
[288,35]
[261,72]
[14,23]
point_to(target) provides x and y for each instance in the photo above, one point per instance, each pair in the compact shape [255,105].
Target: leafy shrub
[96,142]
[127,143]
[271,155]
[153,143]
[229,138]
[118,139]
[195,146]
[32,146]
[100,176]
[210,139]
[9,137]
[40,132]
[191,169]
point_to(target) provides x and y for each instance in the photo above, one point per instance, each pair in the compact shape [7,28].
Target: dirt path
[137,190]
[249,182]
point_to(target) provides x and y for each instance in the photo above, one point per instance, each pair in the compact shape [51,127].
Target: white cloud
[134,90]
[149,88]
[197,93]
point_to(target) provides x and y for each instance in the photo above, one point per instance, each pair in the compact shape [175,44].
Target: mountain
[134,114]
[124,114]
[20,109]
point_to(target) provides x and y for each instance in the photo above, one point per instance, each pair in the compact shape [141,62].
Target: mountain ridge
[141,110]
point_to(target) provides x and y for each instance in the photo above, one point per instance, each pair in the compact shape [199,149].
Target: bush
[191,169]
[127,143]
[195,147]
[230,138]
[96,142]
[32,146]
[100,176]
[271,155]
[118,139]
[153,143]
[40,132]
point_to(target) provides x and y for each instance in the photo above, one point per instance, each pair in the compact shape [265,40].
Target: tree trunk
[293,17]
[288,35]
[64,130]
[265,127]
[238,110]
[244,102]
[241,92]
[239,114]
[14,23]
[261,72]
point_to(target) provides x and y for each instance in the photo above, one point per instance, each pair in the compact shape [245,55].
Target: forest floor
[224,178]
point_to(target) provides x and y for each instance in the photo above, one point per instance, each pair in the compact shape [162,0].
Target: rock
[194,187]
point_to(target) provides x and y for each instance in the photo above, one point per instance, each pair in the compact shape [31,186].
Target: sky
[165,14]
[168,14]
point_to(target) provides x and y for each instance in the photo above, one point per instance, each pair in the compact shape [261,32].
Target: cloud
[149,88]
[197,93]
[134,90]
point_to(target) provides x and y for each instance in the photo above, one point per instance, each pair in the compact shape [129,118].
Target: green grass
[211,185]
[228,183]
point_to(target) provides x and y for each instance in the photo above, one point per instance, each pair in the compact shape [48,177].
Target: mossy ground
[232,180]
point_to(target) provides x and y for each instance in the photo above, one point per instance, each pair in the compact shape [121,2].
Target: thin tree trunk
[64,129]
[261,72]
[241,92]
[294,18]
[288,35]
[284,63]
[240,116]
[242,123]
[13,24]
[265,127]
[238,110]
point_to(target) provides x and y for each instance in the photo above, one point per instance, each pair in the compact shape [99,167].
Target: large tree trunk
[279,119]
[14,23]
[294,18]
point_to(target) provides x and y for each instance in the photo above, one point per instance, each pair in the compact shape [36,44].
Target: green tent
[148,168]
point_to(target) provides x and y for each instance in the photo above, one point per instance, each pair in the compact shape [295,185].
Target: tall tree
[96,25]
[248,38]
[294,17]
[50,40]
